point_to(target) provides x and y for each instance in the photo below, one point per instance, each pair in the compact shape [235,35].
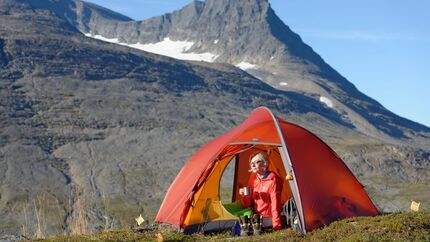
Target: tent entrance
[236,173]
[228,174]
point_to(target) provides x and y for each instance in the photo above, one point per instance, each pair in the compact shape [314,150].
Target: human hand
[244,191]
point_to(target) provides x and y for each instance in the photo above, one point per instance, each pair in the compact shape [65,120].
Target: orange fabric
[206,205]
[264,132]
[179,196]
[328,190]
[265,197]
[180,193]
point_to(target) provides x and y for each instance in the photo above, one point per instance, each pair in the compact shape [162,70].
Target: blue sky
[381,46]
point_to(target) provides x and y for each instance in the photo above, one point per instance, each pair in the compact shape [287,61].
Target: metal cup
[246,191]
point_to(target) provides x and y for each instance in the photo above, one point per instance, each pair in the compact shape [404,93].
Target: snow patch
[246,65]
[326,101]
[216,41]
[113,40]
[271,58]
[167,47]
[283,84]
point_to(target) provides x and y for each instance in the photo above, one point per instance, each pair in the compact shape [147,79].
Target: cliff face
[247,31]
[92,133]
[240,31]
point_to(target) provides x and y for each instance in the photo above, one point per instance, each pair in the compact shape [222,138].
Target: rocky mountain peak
[249,35]
[204,21]
[239,9]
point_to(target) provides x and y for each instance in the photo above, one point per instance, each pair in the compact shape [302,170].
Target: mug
[246,191]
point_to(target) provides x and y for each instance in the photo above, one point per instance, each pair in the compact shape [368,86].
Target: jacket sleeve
[275,198]
[246,201]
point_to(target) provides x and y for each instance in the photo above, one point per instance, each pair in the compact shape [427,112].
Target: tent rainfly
[316,179]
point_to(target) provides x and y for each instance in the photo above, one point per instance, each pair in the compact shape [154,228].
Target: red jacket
[266,195]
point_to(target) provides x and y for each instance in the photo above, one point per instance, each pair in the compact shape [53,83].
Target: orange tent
[322,186]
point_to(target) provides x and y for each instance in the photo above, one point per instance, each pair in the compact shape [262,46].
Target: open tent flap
[207,205]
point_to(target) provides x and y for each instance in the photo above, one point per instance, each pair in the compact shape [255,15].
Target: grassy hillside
[400,227]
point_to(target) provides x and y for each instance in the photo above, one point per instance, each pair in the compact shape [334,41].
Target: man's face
[257,165]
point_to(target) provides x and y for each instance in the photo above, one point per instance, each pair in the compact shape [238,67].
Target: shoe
[244,226]
[256,224]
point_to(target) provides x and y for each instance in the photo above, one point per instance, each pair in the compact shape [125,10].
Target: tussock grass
[411,226]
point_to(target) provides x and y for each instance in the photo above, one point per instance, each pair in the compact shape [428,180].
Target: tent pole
[288,165]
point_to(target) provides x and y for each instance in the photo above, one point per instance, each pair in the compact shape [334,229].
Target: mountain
[92,133]
[238,31]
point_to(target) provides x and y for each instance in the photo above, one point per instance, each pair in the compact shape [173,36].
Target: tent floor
[211,227]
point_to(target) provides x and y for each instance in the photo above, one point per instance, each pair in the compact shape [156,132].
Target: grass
[402,193]
[411,226]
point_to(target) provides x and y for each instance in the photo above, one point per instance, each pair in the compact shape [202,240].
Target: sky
[381,46]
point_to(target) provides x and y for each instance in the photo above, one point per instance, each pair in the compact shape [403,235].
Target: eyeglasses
[253,163]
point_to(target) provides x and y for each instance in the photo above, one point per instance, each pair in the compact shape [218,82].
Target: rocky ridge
[239,31]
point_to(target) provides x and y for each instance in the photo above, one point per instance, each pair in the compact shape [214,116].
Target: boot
[256,224]
[244,225]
